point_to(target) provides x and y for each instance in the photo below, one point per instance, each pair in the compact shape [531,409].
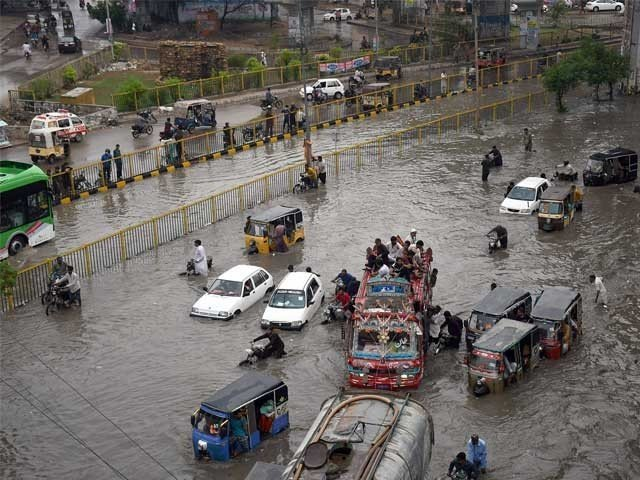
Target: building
[631,44]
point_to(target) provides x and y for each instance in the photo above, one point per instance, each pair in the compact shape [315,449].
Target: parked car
[294,302]
[233,292]
[605,5]
[332,87]
[524,198]
[514,8]
[337,14]
[69,44]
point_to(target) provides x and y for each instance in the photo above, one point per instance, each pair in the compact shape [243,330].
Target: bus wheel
[51,159]
[17,243]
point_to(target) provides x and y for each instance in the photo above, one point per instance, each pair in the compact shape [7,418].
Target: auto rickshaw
[4,137]
[260,228]
[491,57]
[388,67]
[499,303]
[558,315]
[48,145]
[255,404]
[618,165]
[502,356]
[197,113]
[558,205]
[377,95]
[68,24]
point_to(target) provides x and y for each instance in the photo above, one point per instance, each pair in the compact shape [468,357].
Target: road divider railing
[127,243]
[271,77]
[85,180]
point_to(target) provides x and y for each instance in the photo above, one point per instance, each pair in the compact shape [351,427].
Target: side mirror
[205,289]
[193,420]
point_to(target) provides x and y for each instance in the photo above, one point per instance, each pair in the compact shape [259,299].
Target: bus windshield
[26,216]
[372,341]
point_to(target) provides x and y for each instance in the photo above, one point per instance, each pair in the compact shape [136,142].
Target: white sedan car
[514,8]
[233,292]
[296,300]
[331,86]
[524,198]
[337,13]
[605,5]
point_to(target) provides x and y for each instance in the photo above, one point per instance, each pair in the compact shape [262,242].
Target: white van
[294,302]
[524,198]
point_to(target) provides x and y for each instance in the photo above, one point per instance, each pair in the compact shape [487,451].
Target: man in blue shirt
[347,280]
[477,453]
[106,166]
[239,436]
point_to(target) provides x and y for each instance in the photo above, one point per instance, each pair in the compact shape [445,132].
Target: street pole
[307,129]
[377,39]
[109,29]
[475,6]
[430,28]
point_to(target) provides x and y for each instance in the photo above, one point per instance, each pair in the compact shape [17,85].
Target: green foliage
[89,70]
[254,65]
[558,10]
[69,76]
[274,41]
[8,276]
[395,51]
[285,58]
[130,94]
[336,53]
[561,78]
[323,57]
[292,72]
[117,12]
[118,50]
[42,88]
[237,61]
[600,64]
[170,81]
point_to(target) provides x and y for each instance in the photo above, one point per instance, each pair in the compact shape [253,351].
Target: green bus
[26,207]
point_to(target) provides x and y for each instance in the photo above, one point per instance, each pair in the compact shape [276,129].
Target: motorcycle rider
[59,269]
[501,233]
[460,464]
[268,97]
[26,49]
[71,286]
[168,129]
[454,329]
[495,154]
[359,77]
[275,347]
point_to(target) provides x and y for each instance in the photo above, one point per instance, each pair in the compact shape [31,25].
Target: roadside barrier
[88,179]
[118,247]
[271,77]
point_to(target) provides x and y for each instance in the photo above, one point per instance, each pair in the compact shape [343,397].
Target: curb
[276,138]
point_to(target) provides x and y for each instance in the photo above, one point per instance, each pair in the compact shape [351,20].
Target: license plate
[382,387]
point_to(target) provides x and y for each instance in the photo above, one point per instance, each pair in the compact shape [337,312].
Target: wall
[493,18]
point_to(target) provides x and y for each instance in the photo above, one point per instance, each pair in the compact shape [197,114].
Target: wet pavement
[136,355]
[88,219]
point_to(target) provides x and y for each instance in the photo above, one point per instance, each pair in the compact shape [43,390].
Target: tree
[117,13]
[600,64]
[561,78]
[231,6]
[558,10]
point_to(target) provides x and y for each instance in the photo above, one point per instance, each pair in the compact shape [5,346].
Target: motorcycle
[302,186]
[167,136]
[319,96]
[55,300]
[191,267]
[249,134]
[420,92]
[275,103]
[357,81]
[254,353]
[81,183]
[349,95]
[143,124]
[27,55]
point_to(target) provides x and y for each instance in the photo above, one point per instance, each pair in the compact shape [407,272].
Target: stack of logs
[191,60]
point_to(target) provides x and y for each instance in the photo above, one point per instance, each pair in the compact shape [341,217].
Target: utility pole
[307,131]
[476,6]
[377,39]
[430,28]
[109,29]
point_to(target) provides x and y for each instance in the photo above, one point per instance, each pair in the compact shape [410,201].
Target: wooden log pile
[191,60]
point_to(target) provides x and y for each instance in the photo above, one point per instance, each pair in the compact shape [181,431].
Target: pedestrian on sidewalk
[443,84]
[117,159]
[527,140]
[178,136]
[268,130]
[601,291]
[285,119]
[106,167]
[292,118]
[263,59]
[227,136]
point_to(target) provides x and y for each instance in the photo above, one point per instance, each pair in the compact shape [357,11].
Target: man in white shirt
[71,287]
[601,291]
[395,248]
[413,236]
[200,259]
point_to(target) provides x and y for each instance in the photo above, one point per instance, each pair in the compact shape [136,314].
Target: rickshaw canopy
[556,193]
[614,153]
[554,303]
[241,392]
[386,62]
[191,103]
[274,213]
[504,335]
[500,299]
[375,87]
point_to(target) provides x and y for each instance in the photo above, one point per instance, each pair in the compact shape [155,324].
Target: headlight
[195,310]
[503,209]
[297,323]
[264,322]
[223,314]
[202,445]
[525,210]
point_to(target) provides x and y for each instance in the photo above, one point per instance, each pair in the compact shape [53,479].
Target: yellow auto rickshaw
[260,228]
[558,206]
[376,96]
[388,67]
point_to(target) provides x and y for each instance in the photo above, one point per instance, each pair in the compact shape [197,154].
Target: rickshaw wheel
[78,139]
[190,129]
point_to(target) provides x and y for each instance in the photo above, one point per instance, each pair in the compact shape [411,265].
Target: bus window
[37,205]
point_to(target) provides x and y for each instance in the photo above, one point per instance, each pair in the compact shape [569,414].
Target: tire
[149,130]
[46,298]
[191,129]
[135,133]
[34,159]
[278,104]
[310,97]
[618,8]
[297,188]
[595,10]
[51,159]
[78,138]
[50,308]
[247,137]
[337,96]
[17,243]
[332,19]
[349,18]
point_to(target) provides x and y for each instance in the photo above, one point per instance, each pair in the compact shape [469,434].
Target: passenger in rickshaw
[401,270]
[381,269]
[418,263]
[239,436]
[381,250]
[566,336]
[280,245]
[526,356]
[394,247]
[521,315]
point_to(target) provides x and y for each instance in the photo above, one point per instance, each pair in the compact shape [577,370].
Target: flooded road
[136,355]
[86,220]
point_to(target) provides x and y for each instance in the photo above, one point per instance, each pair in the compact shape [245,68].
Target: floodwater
[137,356]
[86,220]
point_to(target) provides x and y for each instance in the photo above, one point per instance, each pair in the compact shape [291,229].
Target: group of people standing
[494,157]
[108,159]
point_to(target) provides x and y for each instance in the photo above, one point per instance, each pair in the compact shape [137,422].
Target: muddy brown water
[134,352]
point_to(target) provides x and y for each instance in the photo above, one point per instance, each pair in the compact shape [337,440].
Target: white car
[524,198]
[294,302]
[341,13]
[331,86]
[603,5]
[233,292]
[514,8]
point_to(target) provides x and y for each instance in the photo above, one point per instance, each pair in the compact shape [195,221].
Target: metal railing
[74,181]
[127,243]
[272,77]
